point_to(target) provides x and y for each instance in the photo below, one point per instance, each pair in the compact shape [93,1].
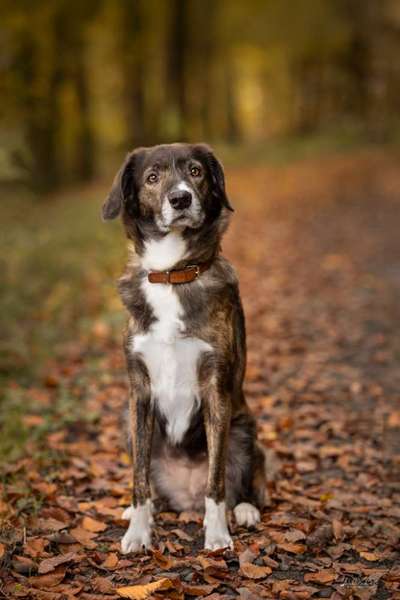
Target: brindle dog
[193,438]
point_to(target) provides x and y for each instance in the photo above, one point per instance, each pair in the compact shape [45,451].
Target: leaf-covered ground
[317,248]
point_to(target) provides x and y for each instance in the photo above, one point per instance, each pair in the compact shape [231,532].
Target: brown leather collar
[186,275]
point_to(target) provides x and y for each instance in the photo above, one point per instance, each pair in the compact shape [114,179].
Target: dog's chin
[180,223]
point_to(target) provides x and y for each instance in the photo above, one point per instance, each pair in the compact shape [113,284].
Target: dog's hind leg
[141,421]
[247,490]
[246,513]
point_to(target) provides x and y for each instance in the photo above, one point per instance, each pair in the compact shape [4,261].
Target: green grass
[59,263]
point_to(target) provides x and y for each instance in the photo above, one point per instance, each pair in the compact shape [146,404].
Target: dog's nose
[180,199]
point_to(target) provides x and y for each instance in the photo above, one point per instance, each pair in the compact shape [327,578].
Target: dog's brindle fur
[217,455]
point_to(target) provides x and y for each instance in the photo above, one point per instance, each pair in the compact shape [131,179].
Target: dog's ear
[217,175]
[122,190]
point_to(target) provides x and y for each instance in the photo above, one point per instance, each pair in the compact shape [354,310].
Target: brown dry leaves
[319,288]
[141,592]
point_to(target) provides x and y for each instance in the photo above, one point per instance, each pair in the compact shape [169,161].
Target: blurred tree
[132,49]
[84,143]
[39,75]
[80,79]
[47,54]
[177,57]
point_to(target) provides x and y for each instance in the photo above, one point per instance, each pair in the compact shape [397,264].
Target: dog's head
[169,187]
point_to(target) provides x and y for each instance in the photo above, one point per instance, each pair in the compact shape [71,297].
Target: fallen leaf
[394,419]
[247,556]
[293,548]
[24,565]
[337,527]
[103,585]
[197,590]
[67,503]
[141,592]
[48,580]
[294,535]
[69,589]
[270,562]
[298,592]
[322,576]
[371,556]
[211,563]
[61,537]
[49,564]
[182,535]
[2,550]
[44,488]
[51,524]
[92,525]
[254,571]
[83,537]
[111,561]
[173,548]
[278,536]
[190,517]
[163,561]
[35,546]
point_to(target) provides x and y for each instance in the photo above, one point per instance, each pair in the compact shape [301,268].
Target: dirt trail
[317,248]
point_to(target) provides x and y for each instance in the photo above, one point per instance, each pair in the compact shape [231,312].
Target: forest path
[317,249]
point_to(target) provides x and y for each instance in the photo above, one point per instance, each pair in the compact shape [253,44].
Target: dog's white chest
[171,359]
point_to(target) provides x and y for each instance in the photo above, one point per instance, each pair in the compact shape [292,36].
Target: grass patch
[59,264]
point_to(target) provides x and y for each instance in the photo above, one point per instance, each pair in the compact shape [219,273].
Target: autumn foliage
[316,246]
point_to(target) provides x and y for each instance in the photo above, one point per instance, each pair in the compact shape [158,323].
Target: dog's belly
[180,480]
[172,367]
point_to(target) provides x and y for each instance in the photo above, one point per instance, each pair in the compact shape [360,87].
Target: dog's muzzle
[180,199]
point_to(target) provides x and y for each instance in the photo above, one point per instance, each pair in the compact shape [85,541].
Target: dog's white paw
[216,528]
[214,540]
[135,539]
[246,514]
[138,535]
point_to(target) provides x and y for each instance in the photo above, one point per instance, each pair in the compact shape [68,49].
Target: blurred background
[84,81]
[300,99]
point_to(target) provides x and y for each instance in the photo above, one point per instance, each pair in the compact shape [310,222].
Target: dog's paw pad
[246,514]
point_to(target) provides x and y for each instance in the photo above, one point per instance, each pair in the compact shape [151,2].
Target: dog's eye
[195,171]
[152,178]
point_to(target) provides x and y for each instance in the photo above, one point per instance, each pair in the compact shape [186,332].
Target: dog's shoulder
[133,297]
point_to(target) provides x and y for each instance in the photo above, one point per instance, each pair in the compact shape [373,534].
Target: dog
[193,438]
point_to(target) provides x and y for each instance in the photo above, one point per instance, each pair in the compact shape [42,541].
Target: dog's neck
[176,249]
[173,251]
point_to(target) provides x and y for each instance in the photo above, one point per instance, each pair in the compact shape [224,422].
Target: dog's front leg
[217,413]
[141,421]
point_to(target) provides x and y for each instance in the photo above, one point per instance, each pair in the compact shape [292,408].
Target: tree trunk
[41,115]
[84,164]
[177,53]
[133,69]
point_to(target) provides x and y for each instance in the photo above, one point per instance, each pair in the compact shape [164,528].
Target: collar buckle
[196,270]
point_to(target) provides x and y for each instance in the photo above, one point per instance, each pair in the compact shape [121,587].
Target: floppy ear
[217,176]
[122,190]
